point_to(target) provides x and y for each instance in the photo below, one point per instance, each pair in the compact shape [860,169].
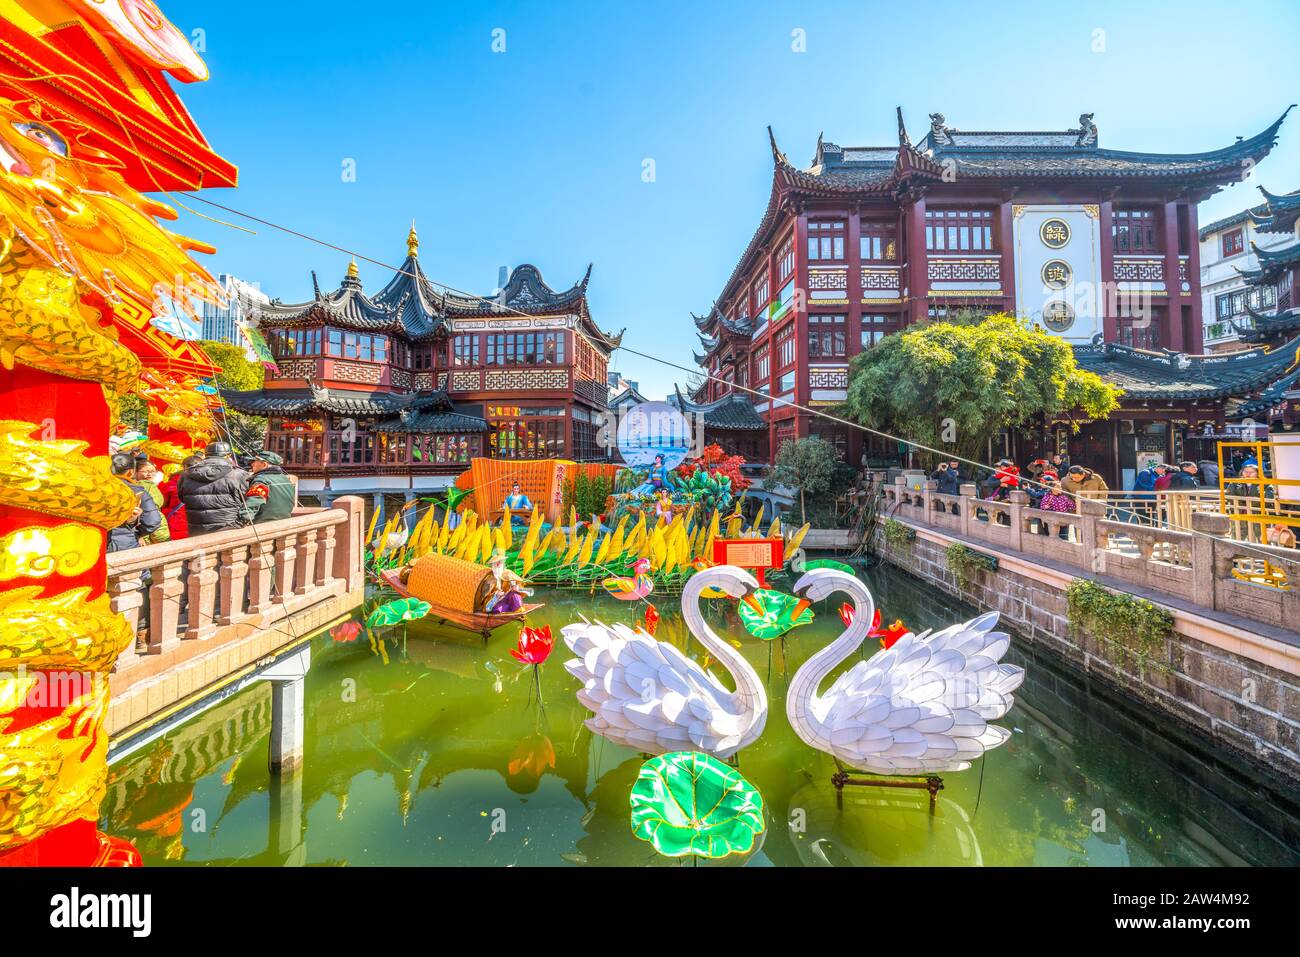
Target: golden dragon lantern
[88,124]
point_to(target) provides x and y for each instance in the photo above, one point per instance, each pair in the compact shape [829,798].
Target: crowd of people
[1053,484]
[209,493]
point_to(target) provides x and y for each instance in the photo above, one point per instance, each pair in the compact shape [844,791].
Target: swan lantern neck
[921,706]
[647,694]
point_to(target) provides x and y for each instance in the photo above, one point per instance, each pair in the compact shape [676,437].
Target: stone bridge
[1232,666]
[216,610]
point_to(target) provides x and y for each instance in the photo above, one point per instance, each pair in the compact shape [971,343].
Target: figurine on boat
[462,593]
[508,589]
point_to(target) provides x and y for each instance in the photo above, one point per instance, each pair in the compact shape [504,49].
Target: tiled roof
[1076,153]
[1015,154]
[1268,398]
[732,411]
[721,325]
[525,291]
[337,401]
[1206,232]
[715,316]
[346,306]
[628,393]
[412,305]
[1272,262]
[1281,210]
[432,421]
[1172,376]
[1266,328]
[404,412]
[419,306]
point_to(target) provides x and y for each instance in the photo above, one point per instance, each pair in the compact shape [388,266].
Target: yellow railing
[1271,503]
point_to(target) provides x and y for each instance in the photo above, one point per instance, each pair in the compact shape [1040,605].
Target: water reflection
[445,757]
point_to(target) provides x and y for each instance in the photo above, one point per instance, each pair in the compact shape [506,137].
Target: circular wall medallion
[1055,233]
[1057,316]
[1057,274]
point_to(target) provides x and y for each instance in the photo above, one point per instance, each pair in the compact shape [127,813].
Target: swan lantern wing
[648,695]
[924,705]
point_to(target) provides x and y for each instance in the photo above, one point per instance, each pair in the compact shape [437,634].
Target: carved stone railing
[209,588]
[1200,564]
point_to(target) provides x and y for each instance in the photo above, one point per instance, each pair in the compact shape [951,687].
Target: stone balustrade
[207,606]
[1199,565]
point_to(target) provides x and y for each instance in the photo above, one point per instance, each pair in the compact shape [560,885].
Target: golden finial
[352,269]
[412,242]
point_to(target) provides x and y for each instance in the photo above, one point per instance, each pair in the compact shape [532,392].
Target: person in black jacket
[214,492]
[1184,478]
[144,520]
[949,483]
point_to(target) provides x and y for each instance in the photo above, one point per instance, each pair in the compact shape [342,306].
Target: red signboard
[758,554]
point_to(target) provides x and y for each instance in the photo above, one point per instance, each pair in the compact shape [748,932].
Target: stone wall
[1205,676]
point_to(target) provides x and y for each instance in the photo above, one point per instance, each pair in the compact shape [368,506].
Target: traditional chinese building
[1273,280]
[1227,248]
[1094,244]
[396,392]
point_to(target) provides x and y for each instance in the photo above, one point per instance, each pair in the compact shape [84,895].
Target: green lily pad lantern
[780,613]
[828,563]
[685,802]
[396,612]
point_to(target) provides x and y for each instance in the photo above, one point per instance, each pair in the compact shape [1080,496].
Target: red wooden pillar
[1196,344]
[1106,296]
[853,285]
[917,277]
[1172,335]
[853,317]
[800,306]
[1007,267]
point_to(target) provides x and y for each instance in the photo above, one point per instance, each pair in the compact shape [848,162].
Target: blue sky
[536,154]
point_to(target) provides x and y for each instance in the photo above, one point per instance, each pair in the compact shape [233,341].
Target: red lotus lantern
[535,645]
[347,631]
[846,613]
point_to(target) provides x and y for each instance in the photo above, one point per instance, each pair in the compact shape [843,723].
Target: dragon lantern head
[70,206]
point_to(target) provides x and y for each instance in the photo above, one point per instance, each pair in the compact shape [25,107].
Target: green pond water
[443,756]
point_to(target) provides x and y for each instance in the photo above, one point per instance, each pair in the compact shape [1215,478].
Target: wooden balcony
[404,470]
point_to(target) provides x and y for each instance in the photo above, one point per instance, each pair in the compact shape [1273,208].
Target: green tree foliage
[587,494]
[984,375]
[806,464]
[239,374]
[134,411]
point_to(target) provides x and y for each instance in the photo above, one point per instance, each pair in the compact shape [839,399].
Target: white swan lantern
[920,707]
[647,695]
